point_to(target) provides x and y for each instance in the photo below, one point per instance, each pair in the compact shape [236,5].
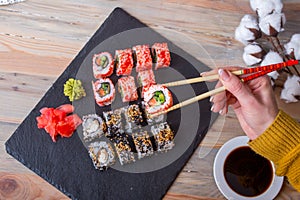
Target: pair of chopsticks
[251,72]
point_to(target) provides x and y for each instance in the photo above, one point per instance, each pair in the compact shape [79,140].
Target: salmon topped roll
[157,98]
[127,88]
[104,91]
[124,62]
[161,55]
[142,55]
[103,65]
[145,79]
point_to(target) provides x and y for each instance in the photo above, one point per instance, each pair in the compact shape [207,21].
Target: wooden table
[38,39]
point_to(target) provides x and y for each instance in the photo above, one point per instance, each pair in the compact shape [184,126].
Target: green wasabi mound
[73,89]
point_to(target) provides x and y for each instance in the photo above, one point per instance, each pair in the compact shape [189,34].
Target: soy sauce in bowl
[247,173]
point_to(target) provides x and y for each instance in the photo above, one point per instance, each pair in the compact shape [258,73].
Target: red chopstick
[253,73]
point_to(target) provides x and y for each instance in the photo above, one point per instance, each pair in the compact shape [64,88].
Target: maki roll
[164,136]
[114,124]
[151,120]
[102,155]
[133,117]
[104,91]
[124,152]
[157,98]
[142,144]
[161,55]
[127,88]
[103,65]
[93,127]
[142,57]
[124,62]
[145,80]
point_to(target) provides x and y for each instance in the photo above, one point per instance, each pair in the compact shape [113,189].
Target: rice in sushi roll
[142,57]
[127,88]
[103,65]
[133,117]
[93,127]
[124,62]
[124,152]
[104,91]
[164,136]
[161,55]
[142,144]
[157,98]
[102,155]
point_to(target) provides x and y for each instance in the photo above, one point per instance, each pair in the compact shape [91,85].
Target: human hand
[253,102]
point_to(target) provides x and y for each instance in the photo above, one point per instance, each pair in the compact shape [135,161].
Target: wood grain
[38,39]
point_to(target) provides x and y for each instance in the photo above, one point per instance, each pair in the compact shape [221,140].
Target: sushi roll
[161,55]
[151,120]
[163,136]
[157,98]
[142,57]
[145,79]
[133,117]
[124,62]
[127,88]
[114,124]
[104,91]
[103,65]
[102,155]
[142,144]
[124,152]
[93,127]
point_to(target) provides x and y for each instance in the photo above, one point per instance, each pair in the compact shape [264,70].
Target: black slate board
[66,164]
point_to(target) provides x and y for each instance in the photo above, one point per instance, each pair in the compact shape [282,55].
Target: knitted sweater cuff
[279,140]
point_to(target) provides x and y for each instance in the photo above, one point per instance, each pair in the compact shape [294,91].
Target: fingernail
[212,108]
[224,75]
[221,112]
[211,98]
[202,73]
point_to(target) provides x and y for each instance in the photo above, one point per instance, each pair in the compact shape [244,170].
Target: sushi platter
[126,127]
[118,148]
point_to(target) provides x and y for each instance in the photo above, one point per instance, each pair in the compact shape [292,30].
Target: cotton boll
[272,24]
[266,7]
[248,30]
[291,89]
[254,4]
[253,54]
[292,48]
[272,58]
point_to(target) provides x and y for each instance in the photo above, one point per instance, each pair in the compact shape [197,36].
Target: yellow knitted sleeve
[280,143]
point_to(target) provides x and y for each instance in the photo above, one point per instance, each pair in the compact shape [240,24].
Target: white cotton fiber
[275,20]
[266,7]
[291,89]
[248,29]
[293,47]
[272,58]
[253,54]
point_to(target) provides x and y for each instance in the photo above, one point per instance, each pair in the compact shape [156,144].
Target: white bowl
[219,177]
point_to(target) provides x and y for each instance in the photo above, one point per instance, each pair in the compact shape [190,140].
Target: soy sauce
[247,173]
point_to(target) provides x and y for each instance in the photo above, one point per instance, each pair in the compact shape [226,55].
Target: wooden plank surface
[38,39]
